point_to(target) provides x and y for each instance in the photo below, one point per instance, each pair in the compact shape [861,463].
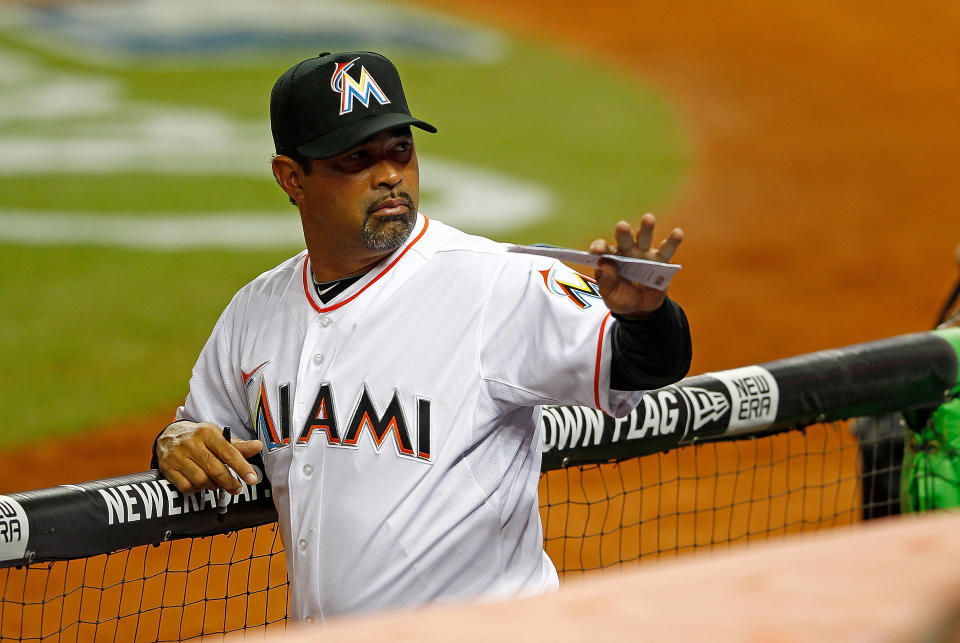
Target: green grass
[89,334]
[131,193]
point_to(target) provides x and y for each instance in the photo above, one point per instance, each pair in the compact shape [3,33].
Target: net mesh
[595,516]
[171,592]
[701,496]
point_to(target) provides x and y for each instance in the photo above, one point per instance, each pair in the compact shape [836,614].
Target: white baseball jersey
[400,419]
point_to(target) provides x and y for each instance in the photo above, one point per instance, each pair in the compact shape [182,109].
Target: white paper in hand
[652,274]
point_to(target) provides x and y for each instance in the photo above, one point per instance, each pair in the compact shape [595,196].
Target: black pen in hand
[223,496]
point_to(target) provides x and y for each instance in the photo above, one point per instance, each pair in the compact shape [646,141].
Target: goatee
[388,233]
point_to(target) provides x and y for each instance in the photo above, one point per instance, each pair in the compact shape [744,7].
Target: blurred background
[135,187]
[808,150]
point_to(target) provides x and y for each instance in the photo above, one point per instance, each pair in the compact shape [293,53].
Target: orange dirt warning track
[821,209]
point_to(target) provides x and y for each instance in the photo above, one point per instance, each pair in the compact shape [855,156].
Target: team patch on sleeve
[565,282]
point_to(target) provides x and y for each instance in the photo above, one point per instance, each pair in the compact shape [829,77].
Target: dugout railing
[715,459]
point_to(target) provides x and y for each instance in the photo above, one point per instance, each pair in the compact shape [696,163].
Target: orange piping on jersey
[596,373]
[306,287]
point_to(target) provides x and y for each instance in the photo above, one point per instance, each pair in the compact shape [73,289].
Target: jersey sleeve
[216,389]
[546,339]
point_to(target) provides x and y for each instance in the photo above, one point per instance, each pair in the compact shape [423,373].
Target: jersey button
[325,322]
[308,470]
[317,359]
[302,544]
[308,620]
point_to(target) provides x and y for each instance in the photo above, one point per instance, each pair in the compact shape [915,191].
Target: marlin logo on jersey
[350,89]
[248,375]
[365,419]
[579,289]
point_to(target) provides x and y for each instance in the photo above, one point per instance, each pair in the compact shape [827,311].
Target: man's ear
[289,176]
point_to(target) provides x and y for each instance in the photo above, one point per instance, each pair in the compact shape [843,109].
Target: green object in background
[930,476]
[931,461]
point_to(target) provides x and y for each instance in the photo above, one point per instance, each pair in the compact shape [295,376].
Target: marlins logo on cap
[304,114]
[362,89]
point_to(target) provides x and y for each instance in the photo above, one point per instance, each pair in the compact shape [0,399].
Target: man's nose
[387,175]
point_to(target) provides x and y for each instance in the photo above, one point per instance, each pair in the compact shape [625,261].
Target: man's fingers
[196,475]
[669,245]
[248,448]
[623,233]
[600,247]
[199,460]
[178,480]
[216,469]
[195,456]
[645,236]
[227,455]
[627,245]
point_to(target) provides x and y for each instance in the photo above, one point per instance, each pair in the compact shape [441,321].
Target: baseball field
[807,150]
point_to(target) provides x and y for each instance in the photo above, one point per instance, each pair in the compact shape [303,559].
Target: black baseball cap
[325,105]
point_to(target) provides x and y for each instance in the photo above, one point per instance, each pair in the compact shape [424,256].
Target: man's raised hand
[622,296]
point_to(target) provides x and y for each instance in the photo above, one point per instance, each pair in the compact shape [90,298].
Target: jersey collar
[389,263]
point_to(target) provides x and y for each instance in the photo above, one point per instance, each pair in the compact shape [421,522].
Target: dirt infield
[819,211]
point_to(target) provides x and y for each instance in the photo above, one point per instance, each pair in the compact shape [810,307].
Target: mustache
[402,196]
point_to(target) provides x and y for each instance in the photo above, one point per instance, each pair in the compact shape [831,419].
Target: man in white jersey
[391,374]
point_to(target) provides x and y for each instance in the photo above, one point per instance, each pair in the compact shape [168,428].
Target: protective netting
[170,592]
[595,516]
[703,496]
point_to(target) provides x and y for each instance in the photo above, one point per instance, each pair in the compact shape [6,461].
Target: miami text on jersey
[322,419]
[576,287]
